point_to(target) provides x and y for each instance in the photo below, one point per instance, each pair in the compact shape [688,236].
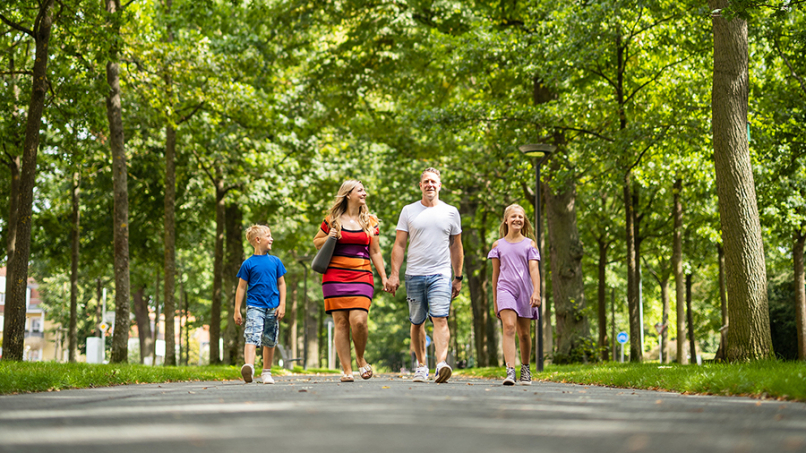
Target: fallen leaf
[385,387]
[302,391]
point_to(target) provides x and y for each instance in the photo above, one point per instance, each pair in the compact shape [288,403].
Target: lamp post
[540,152]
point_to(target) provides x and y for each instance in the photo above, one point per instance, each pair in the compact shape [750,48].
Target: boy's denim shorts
[261,327]
[428,295]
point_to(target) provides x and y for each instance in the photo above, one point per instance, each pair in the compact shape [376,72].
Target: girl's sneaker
[510,379]
[526,375]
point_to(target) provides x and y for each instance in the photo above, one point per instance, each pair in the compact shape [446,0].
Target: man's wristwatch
[458,277]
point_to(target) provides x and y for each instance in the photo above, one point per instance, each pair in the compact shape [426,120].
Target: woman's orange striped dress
[348,283]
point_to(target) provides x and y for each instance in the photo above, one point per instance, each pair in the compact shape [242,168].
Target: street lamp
[540,152]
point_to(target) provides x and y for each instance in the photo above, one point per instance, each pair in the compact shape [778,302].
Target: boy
[262,274]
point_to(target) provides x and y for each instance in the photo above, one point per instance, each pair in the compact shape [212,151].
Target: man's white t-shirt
[430,230]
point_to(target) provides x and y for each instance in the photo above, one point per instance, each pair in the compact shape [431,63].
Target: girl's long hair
[527,231]
[339,207]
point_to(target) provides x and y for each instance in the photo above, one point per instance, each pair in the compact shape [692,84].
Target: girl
[348,284]
[516,288]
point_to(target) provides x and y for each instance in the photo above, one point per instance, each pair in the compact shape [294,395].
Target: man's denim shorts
[428,295]
[261,327]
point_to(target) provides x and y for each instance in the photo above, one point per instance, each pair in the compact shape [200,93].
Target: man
[434,232]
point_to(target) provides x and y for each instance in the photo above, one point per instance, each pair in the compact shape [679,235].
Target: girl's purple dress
[514,280]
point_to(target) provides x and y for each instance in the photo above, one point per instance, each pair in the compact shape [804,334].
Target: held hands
[238,318]
[392,284]
[535,300]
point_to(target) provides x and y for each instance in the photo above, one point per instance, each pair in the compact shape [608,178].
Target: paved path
[392,414]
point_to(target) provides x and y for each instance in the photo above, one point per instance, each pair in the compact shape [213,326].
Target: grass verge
[762,379]
[23,377]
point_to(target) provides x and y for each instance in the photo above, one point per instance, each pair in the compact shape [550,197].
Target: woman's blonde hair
[527,231]
[339,207]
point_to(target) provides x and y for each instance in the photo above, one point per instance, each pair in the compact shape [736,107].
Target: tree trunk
[800,292]
[749,335]
[639,287]
[677,270]
[143,323]
[156,317]
[692,344]
[234,258]
[74,254]
[602,293]
[291,318]
[14,314]
[218,269]
[187,331]
[120,338]
[13,164]
[664,335]
[311,340]
[566,267]
[170,245]
[98,306]
[636,354]
[476,270]
[545,314]
[723,304]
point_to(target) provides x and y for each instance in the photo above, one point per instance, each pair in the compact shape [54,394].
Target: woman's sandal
[365,371]
[347,378]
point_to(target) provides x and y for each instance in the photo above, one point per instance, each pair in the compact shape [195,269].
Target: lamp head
[537,149]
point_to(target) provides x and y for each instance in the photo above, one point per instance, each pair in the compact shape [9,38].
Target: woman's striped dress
[348,283]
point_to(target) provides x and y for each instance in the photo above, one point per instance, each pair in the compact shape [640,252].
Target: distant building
[44,340]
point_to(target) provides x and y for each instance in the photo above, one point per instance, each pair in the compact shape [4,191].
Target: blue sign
[622,337]
[427,341]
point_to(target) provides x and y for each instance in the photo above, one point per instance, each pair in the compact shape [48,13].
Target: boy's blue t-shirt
[261,273]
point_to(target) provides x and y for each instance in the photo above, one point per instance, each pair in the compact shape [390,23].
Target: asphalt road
[392,414]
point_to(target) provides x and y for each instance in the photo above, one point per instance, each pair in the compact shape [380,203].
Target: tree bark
[476,270]
[639,287]
[692,343]
[143,323]
[749,335]
[664,335]
[14,311]
[170,244]
[170,225]
[677,270]
[723,304]
[234,257]
[156,317]
[566,266]
[74,255]
[311,339]
[114,113]
[291,318]
[800,292]
[636,354]
[98,306]
[218,269]
[602,295]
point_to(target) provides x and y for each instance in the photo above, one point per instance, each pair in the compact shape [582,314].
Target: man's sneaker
[526,376]
[443,373]
[420,374]
[266,377]
[510,379]
[248,372]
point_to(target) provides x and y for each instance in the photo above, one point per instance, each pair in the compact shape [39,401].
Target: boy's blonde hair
[254,230]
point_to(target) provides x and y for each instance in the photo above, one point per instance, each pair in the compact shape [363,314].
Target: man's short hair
[430,170]
[254,230]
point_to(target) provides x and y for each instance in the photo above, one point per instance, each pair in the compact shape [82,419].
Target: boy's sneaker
[510,379]
[443,372]
[420,374]
[248,372]
[266,377]
[526,375]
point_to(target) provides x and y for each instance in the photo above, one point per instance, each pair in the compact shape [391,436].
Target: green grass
[23,377]
[768,379]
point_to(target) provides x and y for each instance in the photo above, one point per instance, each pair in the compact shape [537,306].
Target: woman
[348,284]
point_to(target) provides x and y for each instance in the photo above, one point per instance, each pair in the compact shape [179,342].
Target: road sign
[622,337]
[660,328]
